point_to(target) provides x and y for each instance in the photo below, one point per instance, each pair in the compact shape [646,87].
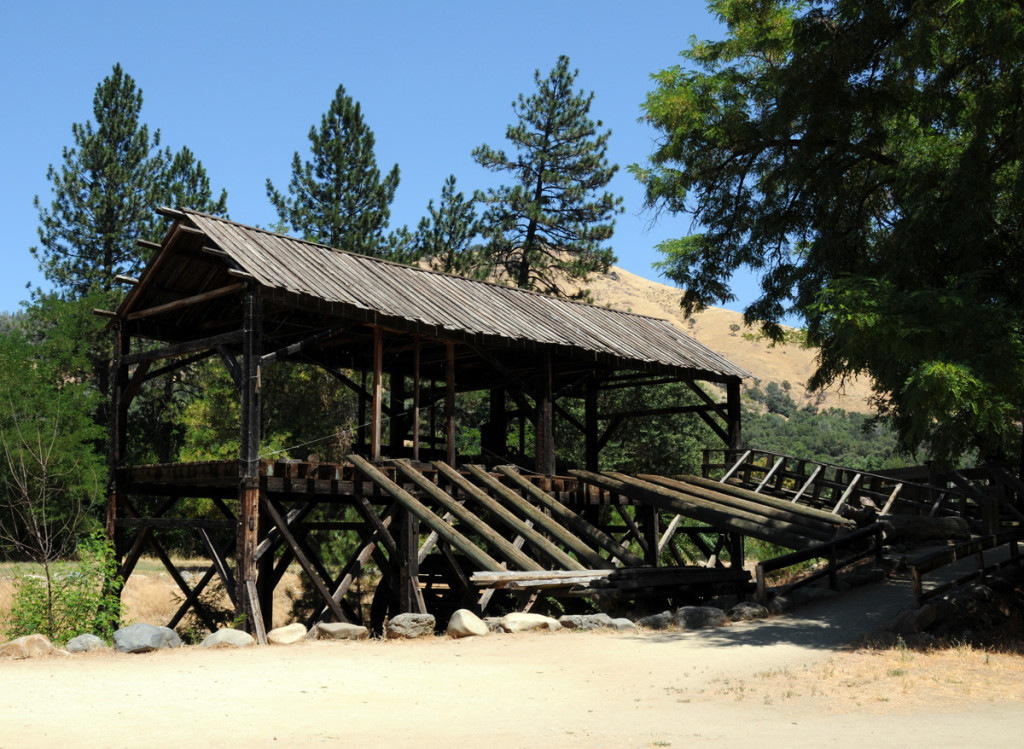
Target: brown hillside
[622,290]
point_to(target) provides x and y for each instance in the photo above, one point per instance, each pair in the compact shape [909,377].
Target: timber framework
[406,342]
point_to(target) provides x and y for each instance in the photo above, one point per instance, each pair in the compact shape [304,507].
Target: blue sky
[241,84]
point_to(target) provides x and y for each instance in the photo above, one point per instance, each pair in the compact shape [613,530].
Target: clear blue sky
[241,84]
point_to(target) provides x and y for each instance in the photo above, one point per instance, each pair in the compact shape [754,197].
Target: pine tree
[338,198]
[104,196]
[446,233]
[546,230]
[105,193]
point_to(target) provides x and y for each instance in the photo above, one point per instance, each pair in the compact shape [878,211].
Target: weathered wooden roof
[320,280]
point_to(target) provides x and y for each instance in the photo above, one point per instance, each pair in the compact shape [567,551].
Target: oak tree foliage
[864,157]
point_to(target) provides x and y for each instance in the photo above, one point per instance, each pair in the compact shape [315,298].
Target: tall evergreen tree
[338,198]
[546,230]
[445,234]
[104,196]
[105,192]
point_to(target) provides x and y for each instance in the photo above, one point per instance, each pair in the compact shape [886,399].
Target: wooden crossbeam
[178,304]
[300,556]
[579,525]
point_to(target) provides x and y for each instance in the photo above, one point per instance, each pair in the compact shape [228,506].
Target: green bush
[69,598]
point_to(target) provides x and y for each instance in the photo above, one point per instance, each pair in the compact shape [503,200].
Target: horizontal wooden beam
[180,349]
[190,301]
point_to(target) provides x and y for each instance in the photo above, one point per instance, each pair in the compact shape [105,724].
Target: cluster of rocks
[971,614]
[144,638]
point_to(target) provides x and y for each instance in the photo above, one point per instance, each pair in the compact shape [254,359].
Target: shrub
[74,598]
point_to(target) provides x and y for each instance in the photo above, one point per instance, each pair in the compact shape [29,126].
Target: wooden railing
[830,551]
[830,487]
[976,547]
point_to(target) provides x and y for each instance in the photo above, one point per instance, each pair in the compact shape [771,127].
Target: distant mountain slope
[622,290]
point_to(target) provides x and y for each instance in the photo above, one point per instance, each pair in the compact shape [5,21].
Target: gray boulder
[664,620]
[585,621]
[747,611]
[621,624]
[464,623]
[339,631]
[143,638]
[228,638]
[85,643]
[699,617]
[410,626]
[29,646]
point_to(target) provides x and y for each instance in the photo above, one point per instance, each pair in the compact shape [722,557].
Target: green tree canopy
[445,234]
[546,230]
[338,198]
[864,157]
[105,192]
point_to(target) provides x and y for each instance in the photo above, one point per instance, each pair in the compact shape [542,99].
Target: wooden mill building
[406,341]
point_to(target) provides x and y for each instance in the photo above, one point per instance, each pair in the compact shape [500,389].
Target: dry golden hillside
[622,290]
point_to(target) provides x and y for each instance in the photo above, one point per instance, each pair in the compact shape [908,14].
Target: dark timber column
[249,456]
[493,438]
[416,402]
[733,397]
[398,422]
[118,427]
[590,439]
[449,401]
[546,418]
[378,391]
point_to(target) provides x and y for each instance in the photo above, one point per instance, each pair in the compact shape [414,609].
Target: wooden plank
[807,484]
[542,545]
[721,517]
[547,524]
[452,536]
[257,613]
[735,467]
[770,505]
[578,524]
[301,557]
[187,301]
[180,349]
[501,546]
[846,494]
[769,474]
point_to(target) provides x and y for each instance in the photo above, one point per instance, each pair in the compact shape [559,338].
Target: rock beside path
[85,644]
[29,646]
[339,631]
[144,638]
[464,623]
[519,622]
[699,617]
[410,626]
[287,635]
[228,638]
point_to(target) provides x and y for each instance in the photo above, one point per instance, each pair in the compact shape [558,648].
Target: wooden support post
[362,428]
[398,421]
[493,440]
[118,428]
[651,519]
[378,391]
[249,458]
[410,599]
[733,408]
[591,436]
[546,418]
[449,400]
[416,402]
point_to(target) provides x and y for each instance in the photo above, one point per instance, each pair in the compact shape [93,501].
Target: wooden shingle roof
[293,273]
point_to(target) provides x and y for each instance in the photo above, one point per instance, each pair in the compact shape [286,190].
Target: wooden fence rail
[830,551]
[976,547]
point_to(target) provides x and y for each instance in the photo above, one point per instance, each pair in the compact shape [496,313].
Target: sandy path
[554,689]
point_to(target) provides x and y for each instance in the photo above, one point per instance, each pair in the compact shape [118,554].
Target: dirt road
[781,682]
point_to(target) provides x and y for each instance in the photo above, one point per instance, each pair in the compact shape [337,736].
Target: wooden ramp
[724,507]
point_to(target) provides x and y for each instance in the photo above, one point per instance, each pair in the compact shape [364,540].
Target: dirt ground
[786,681]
